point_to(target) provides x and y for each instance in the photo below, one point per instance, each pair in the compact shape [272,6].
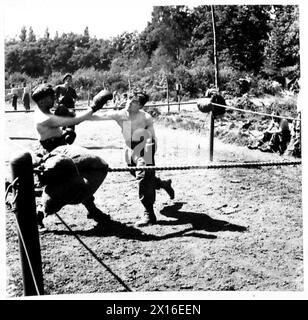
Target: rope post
[28,236]
[168,95]
[211,136]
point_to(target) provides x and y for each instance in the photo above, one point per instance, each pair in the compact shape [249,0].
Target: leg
[274,143]
[14,102]
[150,150]
[166,185]
[93,212]
[147,194]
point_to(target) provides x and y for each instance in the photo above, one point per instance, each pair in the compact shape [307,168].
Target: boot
[148,218]
[166,185]
[97,215]
[94,213]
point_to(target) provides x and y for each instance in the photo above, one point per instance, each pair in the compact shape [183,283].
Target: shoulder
[117,115]
[59,87]
[147,115]
[41,117]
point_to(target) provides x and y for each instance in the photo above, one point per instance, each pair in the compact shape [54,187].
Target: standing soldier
[26,97]
[65,98]
[14,93]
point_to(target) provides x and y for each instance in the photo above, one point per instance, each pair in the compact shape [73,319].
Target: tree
[23,34]
[241,32]
[170,29]
[47,34]
[282,47]
[31,35]
[12,54]
[31,60]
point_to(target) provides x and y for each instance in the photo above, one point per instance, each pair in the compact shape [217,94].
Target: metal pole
[28,236]
[211,136]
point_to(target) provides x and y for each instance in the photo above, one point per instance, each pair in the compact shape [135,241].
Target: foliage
[256,40]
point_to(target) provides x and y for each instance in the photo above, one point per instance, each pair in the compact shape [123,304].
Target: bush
[18,79]
[286,106]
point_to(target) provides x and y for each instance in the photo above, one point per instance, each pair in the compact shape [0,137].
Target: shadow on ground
[198,222]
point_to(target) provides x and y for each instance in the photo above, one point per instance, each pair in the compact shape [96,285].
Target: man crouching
[69,173]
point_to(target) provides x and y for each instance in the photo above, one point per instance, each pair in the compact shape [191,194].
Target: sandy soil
[227,229]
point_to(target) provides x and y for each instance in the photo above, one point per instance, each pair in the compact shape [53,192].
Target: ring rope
[254,112]
[175,104]
[93,254]
[208,166]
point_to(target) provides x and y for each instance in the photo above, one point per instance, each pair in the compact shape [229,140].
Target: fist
[101,99]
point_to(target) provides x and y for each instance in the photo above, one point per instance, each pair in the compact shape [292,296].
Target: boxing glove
[101,99]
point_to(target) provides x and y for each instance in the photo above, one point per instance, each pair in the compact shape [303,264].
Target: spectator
[14,94]
[26,97]
[276,137]
[66,96]
[294,148]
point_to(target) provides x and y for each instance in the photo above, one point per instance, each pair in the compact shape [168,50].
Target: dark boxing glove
[101,99]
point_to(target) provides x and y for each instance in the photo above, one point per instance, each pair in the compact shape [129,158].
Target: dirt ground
[226,230]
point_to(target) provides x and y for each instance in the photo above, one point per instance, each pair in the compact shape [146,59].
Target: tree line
[259,41]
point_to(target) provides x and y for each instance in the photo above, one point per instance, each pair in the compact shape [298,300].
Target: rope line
[94,254]
[208,166]
[197,167]
[176,104]
[27,256]
[254,112]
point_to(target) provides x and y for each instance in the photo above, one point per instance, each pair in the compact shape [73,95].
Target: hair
[142,97]
[42,91]
[68,75]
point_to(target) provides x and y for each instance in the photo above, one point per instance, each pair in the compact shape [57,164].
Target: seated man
[277,135]
[139,136]
[294,148]
[70,174]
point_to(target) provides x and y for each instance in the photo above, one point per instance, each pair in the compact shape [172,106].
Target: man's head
[276,114]
[136,101]
[44,96]
[67,79]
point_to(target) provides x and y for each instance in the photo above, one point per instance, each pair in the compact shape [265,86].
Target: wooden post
[216,85]
[215,49]
[28,236]
[211,136]
[167,94]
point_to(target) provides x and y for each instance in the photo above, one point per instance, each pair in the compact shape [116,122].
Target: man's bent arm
[58,121]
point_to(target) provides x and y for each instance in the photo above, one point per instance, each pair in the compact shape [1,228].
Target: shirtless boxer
[61,158]
[139,135]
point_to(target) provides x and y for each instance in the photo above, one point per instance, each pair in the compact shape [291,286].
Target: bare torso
[134,126]
[44,130]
